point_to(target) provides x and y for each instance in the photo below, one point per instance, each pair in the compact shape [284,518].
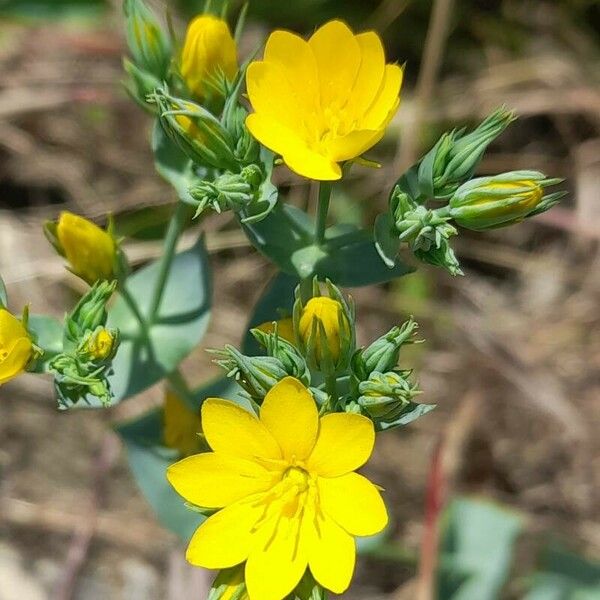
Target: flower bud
[488,202]
[149,46]
[182,426]
[383,354]
[324,330]
[284,329]
[227,192]
[91,252]
[386,395]
[89,314]
[209,57]
[16,346]
[102,344]
[196,131]
[229,585]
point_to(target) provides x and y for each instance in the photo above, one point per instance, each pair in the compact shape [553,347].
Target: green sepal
[3,294]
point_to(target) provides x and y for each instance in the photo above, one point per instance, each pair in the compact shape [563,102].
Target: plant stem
[331,389]
[173,233]
[322,210]
[133,306]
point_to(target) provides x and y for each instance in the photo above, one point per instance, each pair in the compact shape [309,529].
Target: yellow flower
[209,53]
[90,251]
[101,344]
[181,426]
[285,329]
[328,313]
[324,101]
[287,489]
[16,347]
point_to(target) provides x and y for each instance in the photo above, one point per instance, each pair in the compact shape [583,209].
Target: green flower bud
[383,354]
[229,585]
[101,345]
[501,200]
[227,192]
[324,327]
[140,84]
[89,314]
[255,374]
[386,395]
[149,46]
[196,131]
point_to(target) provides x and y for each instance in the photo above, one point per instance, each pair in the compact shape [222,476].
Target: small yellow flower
[324,101]
[181,426]
[90,251]
[101,344]
[16,347]
[286,485]
[285,329]
[209,53]
[328,313]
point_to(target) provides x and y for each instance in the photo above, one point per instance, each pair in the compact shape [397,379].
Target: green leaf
[48,333]
[172,164]
[476,550]
[3,294]
[413,412]
[180,325]
[149,459]
[565,576]
[386,244]
[348,257]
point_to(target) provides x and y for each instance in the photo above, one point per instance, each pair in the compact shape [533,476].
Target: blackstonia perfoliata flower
[489,202]
[322,101]
[287,490]
[209,56]
[90,251]
[16,346]
[182,426]
[101,344]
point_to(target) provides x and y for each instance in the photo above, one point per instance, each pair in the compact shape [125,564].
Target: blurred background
[501,482]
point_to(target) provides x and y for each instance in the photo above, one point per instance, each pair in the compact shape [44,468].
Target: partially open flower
[101,344]
[16,347]
[287,490]
[209,56]
[322,102]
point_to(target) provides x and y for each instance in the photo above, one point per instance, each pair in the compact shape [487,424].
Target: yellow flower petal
[344,444]
[285,329]
[338,57]
[225,538]
[354,503]
[311,164]
[386,103]
[274,135]
[214,480]
[277,561]
[289,412]
[15,360]
[370,75]
[332,554]
[354,144]
[233,431]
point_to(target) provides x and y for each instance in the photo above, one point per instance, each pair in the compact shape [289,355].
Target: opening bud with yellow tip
[91,252]
[16,346]
[102,344]
[209,57]
[324,329]
[501,200]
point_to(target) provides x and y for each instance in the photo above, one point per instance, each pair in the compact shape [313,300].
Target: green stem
[173,232]
[322,210]
[331,389]
[133,306]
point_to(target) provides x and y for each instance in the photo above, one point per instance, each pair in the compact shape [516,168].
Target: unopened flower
[101,344]
[322,102]
[488,202]
[323,320]
[286,485]
[181,425]
[209,56]
[285,328]
[90,251]
[16,346]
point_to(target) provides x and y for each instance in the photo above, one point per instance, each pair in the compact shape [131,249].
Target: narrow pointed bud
[501,200]
[209,57]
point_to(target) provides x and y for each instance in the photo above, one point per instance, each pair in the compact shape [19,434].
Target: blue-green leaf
[412,412]
[149,459]
[181,323]
[476,550]
[48,333]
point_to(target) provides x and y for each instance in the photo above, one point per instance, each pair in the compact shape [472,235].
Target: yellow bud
[181,426]
[90,251]
[101,344]
[330,314]
[209,52]
[16,347]
[285,329]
